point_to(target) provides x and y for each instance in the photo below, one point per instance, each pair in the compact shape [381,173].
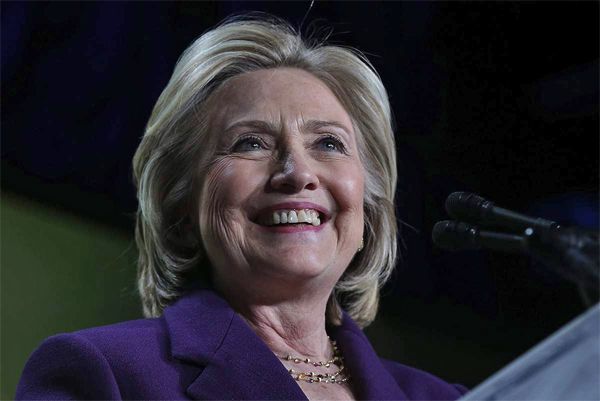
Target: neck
[294,326]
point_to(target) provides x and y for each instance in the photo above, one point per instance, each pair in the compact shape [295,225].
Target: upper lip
[323,211]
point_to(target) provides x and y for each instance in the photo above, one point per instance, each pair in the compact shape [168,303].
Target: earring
[362,244]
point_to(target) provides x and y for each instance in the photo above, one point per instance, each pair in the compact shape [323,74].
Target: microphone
[571,251]
[456,236]
[474,209]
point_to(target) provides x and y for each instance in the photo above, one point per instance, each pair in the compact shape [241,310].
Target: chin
[296,268]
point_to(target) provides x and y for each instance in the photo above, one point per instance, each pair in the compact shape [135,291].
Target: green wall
[59,273]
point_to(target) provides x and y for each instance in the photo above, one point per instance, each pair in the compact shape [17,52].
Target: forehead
[279,95]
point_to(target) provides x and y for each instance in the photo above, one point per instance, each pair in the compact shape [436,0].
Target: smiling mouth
[292,217]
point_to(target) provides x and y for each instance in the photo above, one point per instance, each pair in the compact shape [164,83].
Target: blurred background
[497,98]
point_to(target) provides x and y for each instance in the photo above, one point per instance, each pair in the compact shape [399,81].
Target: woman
[268,165]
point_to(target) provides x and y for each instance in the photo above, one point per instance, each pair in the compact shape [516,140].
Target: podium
[565,366]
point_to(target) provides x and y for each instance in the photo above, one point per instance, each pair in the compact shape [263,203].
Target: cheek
[228,184]
[348,190]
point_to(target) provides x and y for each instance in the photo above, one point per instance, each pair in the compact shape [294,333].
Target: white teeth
[315,218]
[295,216]
[301,216]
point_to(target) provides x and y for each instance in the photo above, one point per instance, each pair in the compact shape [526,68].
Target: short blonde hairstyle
[167,177]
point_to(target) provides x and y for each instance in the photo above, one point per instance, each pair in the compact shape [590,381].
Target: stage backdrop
[498,98]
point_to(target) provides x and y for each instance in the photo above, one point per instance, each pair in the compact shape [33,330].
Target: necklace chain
[340,376]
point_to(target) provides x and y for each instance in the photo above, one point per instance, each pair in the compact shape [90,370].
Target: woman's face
[285,150]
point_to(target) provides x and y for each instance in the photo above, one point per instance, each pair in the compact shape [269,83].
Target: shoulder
[90,363]
[418,384]
[123,345]
[108,340]
[415,384]
[127,337]
[67,366]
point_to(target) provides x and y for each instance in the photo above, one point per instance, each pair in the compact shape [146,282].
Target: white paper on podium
[565,366]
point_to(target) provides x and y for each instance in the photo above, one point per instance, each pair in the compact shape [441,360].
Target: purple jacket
[201,349]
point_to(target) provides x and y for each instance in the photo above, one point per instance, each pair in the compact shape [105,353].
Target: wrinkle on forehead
[286,97]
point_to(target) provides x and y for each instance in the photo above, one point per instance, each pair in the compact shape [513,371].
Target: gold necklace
[340,376]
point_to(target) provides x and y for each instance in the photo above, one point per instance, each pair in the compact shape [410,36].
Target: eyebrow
[318,124]
[310,125]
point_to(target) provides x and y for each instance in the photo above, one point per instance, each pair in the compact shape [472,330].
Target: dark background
[498,98]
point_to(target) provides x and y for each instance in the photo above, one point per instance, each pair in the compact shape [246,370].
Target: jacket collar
[236,364]
[371,380]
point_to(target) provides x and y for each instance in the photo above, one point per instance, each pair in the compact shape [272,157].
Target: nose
[294,173]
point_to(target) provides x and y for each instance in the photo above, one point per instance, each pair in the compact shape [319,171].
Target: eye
[330,143]
[248,144]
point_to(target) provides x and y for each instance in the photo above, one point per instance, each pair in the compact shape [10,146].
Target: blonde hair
[169,244]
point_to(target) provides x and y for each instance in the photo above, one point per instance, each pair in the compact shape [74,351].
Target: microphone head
[467,206]
[454,235]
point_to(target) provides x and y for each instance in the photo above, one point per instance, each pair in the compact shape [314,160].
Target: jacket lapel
[234,361]
[370,379]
